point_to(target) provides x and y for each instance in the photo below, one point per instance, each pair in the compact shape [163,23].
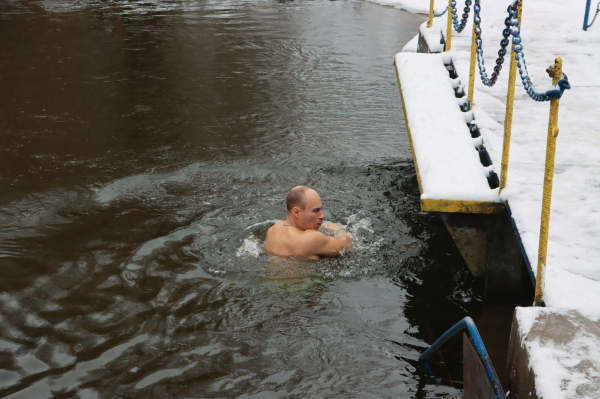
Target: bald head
[297,197]
[304,208]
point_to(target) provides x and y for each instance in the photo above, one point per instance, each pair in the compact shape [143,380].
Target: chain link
[460,27]
[479,42]
[512,28]
[555,91]
[595,16]
[442,13]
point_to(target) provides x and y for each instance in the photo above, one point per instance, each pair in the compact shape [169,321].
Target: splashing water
[362,233]
[251,246]
[358,226]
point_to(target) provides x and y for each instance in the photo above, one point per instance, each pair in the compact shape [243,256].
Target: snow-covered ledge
[451,176]
[554,353]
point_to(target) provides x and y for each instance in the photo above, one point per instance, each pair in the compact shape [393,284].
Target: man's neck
[289,223]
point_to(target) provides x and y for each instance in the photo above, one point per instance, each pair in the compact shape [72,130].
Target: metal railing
[585,18]
[467,324]
[560,83]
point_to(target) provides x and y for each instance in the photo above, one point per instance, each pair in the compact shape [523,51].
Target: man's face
[311,217]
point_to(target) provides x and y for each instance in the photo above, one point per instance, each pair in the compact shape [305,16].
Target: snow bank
[563,349]
[415,6]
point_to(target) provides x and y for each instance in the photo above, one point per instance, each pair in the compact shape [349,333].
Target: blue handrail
[469,324]
[587,14]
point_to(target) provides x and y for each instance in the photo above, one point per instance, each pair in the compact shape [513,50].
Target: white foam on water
[363,236]
[251,246]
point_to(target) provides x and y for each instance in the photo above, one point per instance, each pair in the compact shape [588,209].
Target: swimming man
[299,235]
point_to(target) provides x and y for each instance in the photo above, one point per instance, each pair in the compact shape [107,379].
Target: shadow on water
[149,147]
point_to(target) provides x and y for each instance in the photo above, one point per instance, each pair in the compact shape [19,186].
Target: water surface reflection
[147,148]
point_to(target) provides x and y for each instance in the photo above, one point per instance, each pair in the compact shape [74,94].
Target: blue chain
[479,42]
[595,16]
[557,90]
[512,28]
[460,27]
[442,13]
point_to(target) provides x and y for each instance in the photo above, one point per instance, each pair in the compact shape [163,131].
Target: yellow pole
[449,30]
[472,70]
[430,13]
[510,98]
[548,176]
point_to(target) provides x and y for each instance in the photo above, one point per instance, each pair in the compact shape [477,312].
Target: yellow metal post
[430,14]
[548,177]
[472,70]
[510,98]
[449,30]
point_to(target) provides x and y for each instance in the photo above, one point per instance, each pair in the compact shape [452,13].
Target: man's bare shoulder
[279,223]
[276,226]
[272,231]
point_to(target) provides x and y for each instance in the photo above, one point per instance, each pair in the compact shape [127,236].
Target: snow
[549,29]
[412,45]
[563,347]
[432,36]
[416,6]
[448,162]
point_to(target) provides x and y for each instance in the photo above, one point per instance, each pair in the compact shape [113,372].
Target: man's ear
[296,212]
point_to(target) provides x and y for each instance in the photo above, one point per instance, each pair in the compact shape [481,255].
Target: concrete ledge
[554,354]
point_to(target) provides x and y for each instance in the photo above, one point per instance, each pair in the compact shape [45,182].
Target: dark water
[146,146]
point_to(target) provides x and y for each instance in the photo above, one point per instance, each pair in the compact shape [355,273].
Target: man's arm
[319,244]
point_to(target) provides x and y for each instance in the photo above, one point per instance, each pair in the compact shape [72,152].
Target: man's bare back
[298,234]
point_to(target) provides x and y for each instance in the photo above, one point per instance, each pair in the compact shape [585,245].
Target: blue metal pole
[469,324]
[587,14]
